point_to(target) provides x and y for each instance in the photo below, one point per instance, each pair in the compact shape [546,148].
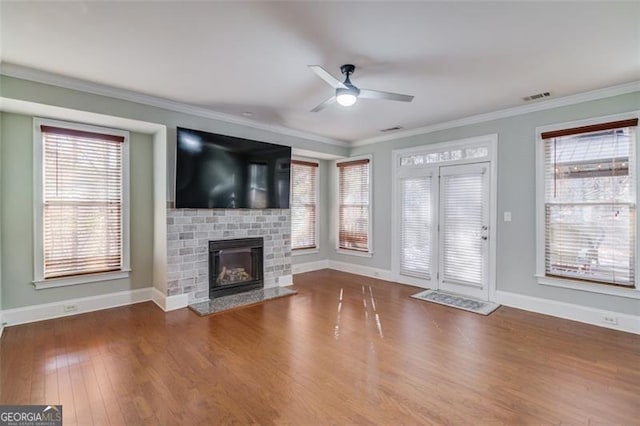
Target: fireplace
[235,266]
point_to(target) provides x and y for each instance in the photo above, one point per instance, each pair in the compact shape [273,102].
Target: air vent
[536,96]
[391,129]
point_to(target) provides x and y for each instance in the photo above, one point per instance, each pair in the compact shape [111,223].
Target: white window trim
[304,252]
[633,293]
[339,250]
[38,187]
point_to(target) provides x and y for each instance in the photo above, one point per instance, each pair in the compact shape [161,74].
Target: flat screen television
[223,172]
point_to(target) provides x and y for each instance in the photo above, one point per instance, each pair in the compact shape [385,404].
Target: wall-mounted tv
[224,172]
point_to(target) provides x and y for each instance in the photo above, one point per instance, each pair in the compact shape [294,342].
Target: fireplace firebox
[235,266]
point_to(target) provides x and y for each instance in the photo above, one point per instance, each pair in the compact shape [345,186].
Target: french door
[443,214]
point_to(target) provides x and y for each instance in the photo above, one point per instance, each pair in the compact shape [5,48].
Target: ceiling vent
[391,129]
[536,96]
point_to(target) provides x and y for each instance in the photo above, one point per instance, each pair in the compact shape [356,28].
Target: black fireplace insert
[235,266]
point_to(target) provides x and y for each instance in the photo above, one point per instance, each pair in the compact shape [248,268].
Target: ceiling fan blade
[376,94]
[324,74]
[325,104]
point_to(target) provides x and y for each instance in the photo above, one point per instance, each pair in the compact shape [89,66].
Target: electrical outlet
[610,319]
[70,308]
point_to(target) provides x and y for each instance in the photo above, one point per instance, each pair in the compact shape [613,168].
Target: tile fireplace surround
[189,232]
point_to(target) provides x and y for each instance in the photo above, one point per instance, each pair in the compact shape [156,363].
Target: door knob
[485,229]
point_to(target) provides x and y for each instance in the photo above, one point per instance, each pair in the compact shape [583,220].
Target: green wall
[1,127]
[516,240]
[17,246]
[16,177]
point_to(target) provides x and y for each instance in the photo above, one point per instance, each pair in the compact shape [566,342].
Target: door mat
[240,300]
[457,301]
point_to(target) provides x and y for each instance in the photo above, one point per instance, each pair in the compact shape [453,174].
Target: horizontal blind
[82,202]
[590,211]
[462,221]
[353,205]
[304,204]
[416,220]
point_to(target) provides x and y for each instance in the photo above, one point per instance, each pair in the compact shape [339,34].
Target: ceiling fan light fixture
[347,97]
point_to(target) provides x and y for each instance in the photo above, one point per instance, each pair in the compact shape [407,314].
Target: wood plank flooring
[346,349]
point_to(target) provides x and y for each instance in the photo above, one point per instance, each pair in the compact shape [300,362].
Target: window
[448,155]
[354,197]
[304,205]
[590,203]
[81,203]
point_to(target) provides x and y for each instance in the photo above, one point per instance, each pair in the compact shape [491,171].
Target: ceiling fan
[347,94]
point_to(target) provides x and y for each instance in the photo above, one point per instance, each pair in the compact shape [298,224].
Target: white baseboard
[1,324]
[47,311]
[301,268]
[383,274]
[625,322]
[169,303]
[366,271]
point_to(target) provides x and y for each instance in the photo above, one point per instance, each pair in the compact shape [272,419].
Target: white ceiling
[458,59]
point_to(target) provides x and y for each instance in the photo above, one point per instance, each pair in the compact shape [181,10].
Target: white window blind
[590,211]
[304,204]
[416,220]
[353,205]
[462,219]
[82,197]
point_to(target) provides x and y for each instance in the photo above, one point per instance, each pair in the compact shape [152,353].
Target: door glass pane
[415,227]
[462,221]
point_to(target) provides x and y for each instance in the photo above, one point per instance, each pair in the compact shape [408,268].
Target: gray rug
[457,301]
[234,301]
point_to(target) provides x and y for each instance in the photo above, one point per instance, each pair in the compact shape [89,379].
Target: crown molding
[39,76]
[592,95]
[45,77]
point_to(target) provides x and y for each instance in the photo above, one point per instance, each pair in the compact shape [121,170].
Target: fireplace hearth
[235,266]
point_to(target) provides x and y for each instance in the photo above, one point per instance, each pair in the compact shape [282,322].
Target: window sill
[631,293]
[354,253]
[81,279]
[303,252]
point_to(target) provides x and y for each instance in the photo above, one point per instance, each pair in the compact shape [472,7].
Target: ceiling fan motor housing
[347,69]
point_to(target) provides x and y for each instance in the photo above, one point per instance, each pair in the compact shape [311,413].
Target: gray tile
[233,301]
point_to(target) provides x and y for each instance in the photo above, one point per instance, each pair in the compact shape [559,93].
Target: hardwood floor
[346,349]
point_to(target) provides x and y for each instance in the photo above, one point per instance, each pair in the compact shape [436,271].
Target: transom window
[590,183]
[444,156]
